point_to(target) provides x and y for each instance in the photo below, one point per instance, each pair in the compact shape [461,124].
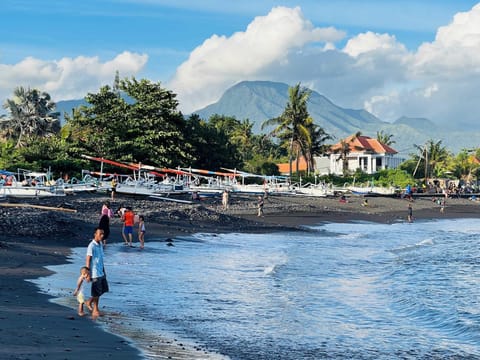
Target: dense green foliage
[139,121]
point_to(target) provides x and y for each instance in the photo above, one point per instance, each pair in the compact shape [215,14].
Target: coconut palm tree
[345,149]
[385,138]
[291,125]
[31,115]
[316,144]
[241,136]
[432,156]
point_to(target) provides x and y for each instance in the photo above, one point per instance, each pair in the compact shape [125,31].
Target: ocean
[337,291]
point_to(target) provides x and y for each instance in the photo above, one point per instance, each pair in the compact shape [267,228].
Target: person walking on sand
[410,213]
[225,199]
[260,204]
[80,290]
[94,261]
[141,231]
[114,184]
[104,224]
[128,219]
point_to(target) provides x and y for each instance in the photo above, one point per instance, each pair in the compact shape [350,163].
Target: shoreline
[31,239]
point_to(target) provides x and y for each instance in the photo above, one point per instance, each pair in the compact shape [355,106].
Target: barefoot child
[141,231]
[80,290]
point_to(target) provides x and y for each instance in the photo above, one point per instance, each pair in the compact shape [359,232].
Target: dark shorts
[99,286]
[128,230]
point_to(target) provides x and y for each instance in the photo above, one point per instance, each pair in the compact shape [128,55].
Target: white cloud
[442,76]
[372,71]
[222,61]
[68,78]
[369,41]
[454,53]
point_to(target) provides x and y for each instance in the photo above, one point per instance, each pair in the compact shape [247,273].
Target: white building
[364,153]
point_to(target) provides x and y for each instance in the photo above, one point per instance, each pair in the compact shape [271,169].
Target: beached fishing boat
[316,190]
[372,190]
[32,185]
[144,180]
[272,185]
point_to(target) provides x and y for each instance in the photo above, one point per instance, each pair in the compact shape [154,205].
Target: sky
[414,58]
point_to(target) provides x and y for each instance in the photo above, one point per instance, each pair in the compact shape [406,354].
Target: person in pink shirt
[104,223]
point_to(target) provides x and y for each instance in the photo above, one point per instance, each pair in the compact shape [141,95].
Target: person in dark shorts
[94,261]
[410,213]
[104,223]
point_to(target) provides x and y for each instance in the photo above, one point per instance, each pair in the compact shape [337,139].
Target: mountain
[66,106]
[262,100]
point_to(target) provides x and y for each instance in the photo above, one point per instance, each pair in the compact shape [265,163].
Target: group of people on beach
[94,270]
[129,220]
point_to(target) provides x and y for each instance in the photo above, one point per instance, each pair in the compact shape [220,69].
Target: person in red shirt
[128,219]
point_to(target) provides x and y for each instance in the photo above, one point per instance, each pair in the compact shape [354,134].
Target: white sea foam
[281,295]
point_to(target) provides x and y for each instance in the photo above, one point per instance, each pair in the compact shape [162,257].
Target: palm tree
[316,145]
[242,137]
[291,125]
[385,138]
[31,114]
[432,156]
[345,149]
[465,164]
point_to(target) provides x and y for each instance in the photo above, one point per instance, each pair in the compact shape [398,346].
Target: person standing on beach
[128,219]
[114,188]
[104,223]
[94,261]
[225,199]
[260,204]
[410,213]
[80,290]
[141,231]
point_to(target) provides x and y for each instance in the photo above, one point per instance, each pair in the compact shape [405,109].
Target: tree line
[139,121]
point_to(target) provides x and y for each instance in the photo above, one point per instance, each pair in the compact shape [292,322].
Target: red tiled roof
[364,144]
[284,168]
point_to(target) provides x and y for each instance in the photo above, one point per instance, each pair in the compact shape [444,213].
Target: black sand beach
[32,238]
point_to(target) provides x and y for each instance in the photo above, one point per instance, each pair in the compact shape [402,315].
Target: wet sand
[32,238]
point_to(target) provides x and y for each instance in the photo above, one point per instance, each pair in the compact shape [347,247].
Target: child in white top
[80,290]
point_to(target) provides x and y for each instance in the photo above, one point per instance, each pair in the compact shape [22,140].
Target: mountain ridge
[262,100]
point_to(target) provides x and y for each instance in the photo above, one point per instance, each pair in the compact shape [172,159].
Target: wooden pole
[38,207]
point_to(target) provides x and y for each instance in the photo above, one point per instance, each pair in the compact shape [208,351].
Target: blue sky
[388,57]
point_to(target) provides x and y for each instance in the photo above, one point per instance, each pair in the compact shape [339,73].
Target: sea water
[340,291]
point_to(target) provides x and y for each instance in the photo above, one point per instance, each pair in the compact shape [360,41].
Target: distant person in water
[141,231]
[128,219]
[410,213]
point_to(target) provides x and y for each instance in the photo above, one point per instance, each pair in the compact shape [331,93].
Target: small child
[80,290]
[141,231]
